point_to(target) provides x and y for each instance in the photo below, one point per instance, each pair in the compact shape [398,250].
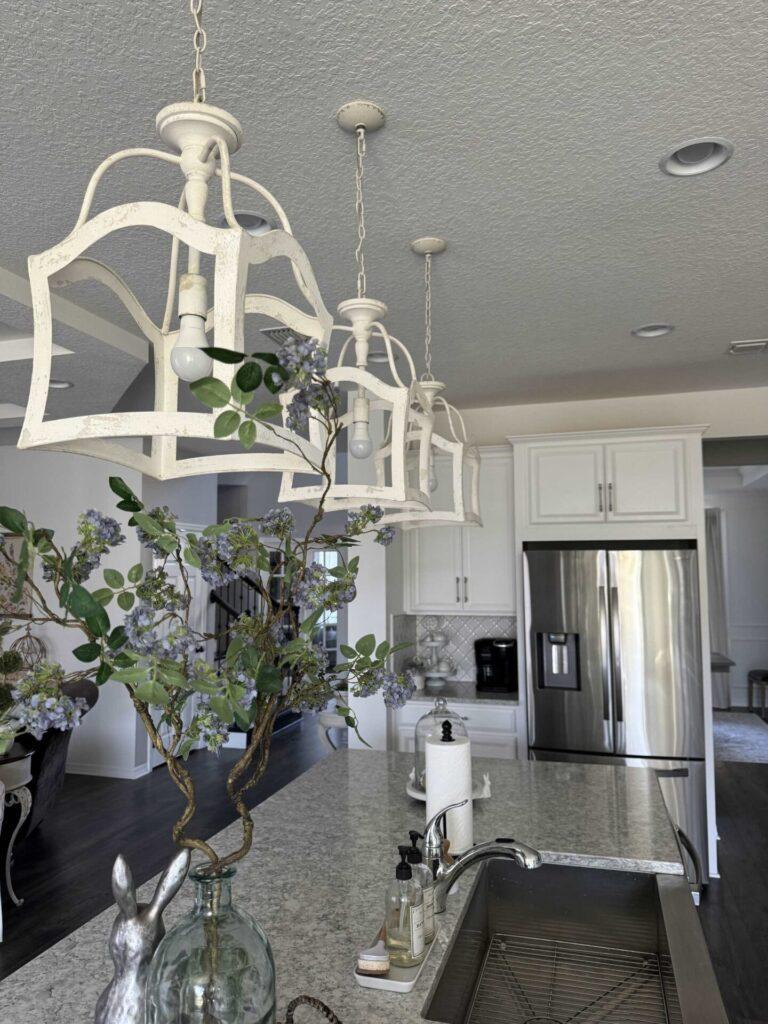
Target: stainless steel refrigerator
[615,675]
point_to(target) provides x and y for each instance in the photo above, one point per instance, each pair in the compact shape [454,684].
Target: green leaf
[366,645]
[348,652]
[42,540]
[13,520]
[222,709]
[269,679]
[248,377]
[192,558]
[132,676]
[124,659]
[103,674]
[119,487]
[153,692]
[268,410]
[114,579]
[125,600]
[135,573]
[383,650]
[211,392]
[274,378]
[116,638]
[86,606]
[353,564]
[203,685]
[87,652]
[247,433]
[226,423]
[148,524]
[103,595]
[186,748]
[241,718]
[21,571]
[311,621]
[224,355]
[168,543]
[267,357]
[171,676]
[128,505]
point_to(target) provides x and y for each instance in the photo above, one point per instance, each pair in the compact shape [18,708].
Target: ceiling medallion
[403,408]
[461,505]
[202,138]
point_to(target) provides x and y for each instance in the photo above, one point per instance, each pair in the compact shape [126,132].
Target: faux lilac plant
[272,661]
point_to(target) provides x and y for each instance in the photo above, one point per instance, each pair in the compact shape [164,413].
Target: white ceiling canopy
[530,133]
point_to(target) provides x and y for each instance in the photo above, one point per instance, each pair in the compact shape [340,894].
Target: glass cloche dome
[430,724]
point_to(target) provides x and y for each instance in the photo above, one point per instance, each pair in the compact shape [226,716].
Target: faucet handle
[433,834]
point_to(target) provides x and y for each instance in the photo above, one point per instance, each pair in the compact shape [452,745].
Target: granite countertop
[464,690]
[324,852]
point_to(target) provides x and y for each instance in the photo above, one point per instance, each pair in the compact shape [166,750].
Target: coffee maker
[496,661]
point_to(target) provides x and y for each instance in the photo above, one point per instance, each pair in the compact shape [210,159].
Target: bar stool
[758,677]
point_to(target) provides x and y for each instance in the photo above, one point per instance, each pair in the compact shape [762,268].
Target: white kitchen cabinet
[467,570]
[622,481]
[646,480]
[567,483]
[494,730]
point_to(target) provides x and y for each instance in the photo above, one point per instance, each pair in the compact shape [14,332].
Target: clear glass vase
[215,966]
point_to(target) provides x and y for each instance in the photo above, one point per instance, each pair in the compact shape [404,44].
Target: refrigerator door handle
[616,646]
[604,644]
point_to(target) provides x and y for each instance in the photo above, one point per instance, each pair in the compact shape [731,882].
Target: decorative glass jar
[429,724]
[215,966]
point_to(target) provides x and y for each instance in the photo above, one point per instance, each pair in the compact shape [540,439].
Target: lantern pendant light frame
[409,406]
[464,508]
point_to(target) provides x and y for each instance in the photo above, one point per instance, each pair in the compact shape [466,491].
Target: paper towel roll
[449,780]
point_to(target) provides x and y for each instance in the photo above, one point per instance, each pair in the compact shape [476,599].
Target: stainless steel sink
[563,945]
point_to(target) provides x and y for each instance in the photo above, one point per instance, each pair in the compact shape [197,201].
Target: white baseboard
[105,771]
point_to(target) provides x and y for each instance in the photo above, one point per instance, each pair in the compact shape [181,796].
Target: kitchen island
[324,852]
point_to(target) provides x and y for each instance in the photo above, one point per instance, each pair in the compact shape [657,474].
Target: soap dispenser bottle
[423,876]
[405,916]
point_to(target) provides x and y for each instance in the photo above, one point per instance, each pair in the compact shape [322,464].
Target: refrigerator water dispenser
[558,657]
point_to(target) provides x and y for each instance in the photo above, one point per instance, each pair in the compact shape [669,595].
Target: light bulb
[188,361]
[360,444]
[431,475]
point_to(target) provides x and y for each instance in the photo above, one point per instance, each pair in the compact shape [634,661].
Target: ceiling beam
[16,287]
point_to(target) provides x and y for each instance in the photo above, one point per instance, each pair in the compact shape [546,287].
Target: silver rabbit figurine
[135,936]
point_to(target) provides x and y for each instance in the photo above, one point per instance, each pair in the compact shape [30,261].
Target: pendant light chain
[360,212]
[428,317]
[199,41]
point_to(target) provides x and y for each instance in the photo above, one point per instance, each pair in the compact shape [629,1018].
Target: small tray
[480,790]
[398,979]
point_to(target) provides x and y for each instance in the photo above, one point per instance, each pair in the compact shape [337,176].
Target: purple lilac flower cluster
[313,396]
[396,689]
[209,727]
[359,520]
[159,593]
[96,533]
[40,705]
[226,553]
[302,358]
[142,637]
[165,518]
[278,522]
[385,536]
[316,588]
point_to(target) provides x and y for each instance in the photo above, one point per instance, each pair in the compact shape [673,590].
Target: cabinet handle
[466,590]
[600,498]
[458,593]
[610,497]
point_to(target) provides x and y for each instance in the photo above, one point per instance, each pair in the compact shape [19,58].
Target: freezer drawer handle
[617,653]
[606,673]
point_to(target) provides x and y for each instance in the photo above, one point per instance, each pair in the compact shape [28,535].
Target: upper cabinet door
[567,484]
[488,580]
[434,575]
[646,481]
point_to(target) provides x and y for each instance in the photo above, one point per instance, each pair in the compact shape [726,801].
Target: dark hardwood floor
[734,914]
[63,870]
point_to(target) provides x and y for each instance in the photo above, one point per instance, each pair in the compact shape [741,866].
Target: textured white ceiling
[528,133]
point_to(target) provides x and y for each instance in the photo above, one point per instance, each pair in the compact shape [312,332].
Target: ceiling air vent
[282,334]
[742,348]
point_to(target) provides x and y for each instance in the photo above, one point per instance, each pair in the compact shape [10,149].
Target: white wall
[745,527]
[52,488]
[740,412]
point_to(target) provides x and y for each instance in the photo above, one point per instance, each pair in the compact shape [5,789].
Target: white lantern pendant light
[404,403]
[202,138]
[460,506]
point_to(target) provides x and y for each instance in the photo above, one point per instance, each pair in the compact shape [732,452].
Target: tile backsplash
[461,631]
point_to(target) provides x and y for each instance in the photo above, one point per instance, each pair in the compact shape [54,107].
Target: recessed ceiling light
[251,222]
[696,157]
[752,346]
[60,385]
[652,330]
